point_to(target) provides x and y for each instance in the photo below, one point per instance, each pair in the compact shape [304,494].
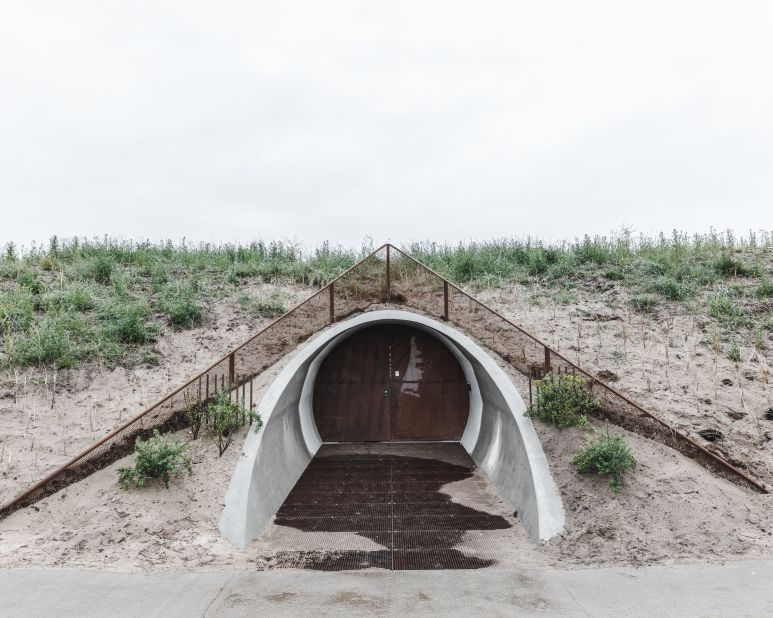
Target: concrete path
[734,589]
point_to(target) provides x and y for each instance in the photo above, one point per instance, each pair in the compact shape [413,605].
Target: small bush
[126,323]
[224,417]
[48,343]
[185,312]
[608,455]
[734,353]
[728,311]
[101,269]
[644,303]
[74,298]
[17,311]
[563,400]
[728,266]
[269,307]
[670,288]
[614,274]
[765,289]
[159,457]
[196,415]
[28,281]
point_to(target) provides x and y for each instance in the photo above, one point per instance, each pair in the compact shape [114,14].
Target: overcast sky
[237,120]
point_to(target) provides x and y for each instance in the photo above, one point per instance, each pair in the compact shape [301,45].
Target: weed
[101,269]
[48,343]
[157,457]
[184,311]
[607,455]
[764,288]
[127,323]
[668,287]
[727,266]
[28,281]
[643,303]
[734,353]
[74,298]
[563,400]
[224,417]
[267,307]
[726,309]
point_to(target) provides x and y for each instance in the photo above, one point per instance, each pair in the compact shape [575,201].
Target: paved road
[734,589]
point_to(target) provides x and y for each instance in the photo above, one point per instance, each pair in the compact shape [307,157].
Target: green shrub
[48,343]
[765,288]
[74,298]
[184,312]
[615,274]
[607,455]
[159,457]
[734,353]
[28,281]
[101,269]
[644,303]
[127,323]
[727,266]
[668,287]
[224,417]
[17,311]
[268,307]
[728,311]
[563,400]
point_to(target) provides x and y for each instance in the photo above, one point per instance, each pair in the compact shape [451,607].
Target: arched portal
[390,382]
[497,437]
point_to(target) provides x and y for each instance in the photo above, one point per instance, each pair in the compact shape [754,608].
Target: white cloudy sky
[236,120]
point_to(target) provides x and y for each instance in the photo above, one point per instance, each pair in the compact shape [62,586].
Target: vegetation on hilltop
[108,299]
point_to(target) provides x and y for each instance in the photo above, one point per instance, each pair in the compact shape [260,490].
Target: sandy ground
[672,511]
[666,361]
[45,419]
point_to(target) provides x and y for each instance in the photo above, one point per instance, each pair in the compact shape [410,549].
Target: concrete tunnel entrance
[390,382]
[393,441]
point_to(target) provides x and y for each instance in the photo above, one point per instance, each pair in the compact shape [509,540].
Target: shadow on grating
[395,500]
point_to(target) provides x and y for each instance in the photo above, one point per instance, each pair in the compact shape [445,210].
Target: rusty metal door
[390,382]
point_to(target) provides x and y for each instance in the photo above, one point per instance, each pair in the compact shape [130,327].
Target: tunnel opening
[390,382]
[400,381]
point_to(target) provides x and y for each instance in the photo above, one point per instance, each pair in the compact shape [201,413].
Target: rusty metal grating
[399,499]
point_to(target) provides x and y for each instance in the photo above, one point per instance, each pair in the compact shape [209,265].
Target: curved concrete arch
[498,437]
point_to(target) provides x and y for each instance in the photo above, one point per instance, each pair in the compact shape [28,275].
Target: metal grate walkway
[395,506]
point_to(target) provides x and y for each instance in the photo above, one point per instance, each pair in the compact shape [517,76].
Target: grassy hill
[106,299]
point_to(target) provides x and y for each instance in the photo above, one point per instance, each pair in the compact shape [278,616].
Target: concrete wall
[499,438]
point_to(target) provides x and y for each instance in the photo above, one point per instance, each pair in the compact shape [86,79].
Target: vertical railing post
[547,360]
[388,273]
[445,300]
[331,290]
[231,369]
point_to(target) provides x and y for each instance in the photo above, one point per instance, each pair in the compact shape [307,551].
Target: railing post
[445,300]
[388,273]
[231,369]
[547,360]
[331,290]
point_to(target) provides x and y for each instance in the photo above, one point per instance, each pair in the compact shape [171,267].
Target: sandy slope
[673,510]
